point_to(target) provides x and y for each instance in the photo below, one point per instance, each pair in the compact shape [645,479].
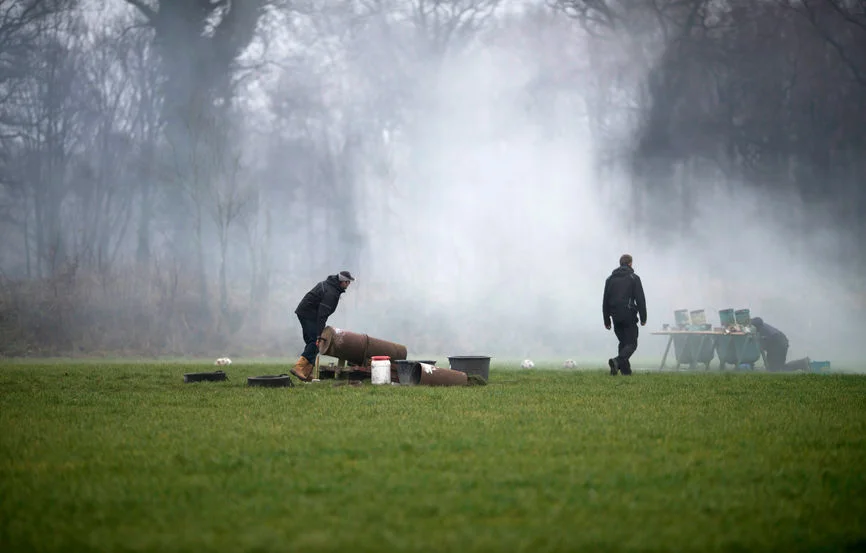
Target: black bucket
[471,364]
[271,381]
[216,376]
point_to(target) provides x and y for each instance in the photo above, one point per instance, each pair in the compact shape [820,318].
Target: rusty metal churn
[357,349]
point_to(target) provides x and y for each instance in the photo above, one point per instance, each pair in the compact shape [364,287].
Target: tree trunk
[263,282]
[40,231]
[224,290]
[142,254]
[27,237]
[200,258]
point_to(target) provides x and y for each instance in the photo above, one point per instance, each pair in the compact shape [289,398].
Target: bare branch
[145,10]
[846,14]
[805,9]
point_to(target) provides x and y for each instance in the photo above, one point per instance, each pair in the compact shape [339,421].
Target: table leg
[724,355]
[763,357]
[716,346]
[738,352]
[712,352]
[741,352]
[693,351]
[667,349]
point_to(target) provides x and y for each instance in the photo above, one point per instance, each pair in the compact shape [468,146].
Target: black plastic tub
[216,376]
[271,381]
[471,364]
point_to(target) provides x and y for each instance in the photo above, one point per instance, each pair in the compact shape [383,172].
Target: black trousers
[627,334]
[310,331]
[777,354]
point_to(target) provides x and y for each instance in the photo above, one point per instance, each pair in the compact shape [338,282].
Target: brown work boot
[302,369]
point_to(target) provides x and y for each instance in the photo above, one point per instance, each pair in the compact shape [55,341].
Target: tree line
[172,171]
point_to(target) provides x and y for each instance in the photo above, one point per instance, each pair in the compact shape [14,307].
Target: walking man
[313,311]
[623,302]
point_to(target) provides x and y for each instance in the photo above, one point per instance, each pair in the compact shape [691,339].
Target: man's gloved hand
[607,324]
[643,323]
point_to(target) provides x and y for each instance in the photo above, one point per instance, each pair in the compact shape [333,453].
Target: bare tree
[842,25]
[379,55]
[232,201]
[669,31]
[50,115]
[104,186]
[22,23]
[199,42]
[258,232]
[445,24]
[142,66]
[758,92]
[192,172]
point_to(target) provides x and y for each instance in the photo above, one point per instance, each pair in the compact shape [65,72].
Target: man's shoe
[614,366]
[302,369]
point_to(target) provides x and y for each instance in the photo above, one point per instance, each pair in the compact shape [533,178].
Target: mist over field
[173,180]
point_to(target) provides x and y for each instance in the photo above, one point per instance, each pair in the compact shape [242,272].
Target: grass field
[126,457]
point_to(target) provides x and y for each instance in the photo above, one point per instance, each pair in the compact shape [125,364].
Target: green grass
[126,457]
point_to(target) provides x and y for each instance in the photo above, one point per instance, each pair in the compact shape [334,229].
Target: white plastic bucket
[381,370]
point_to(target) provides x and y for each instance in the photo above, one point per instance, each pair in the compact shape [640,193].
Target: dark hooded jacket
[319,303]
[623,297]
[769,335]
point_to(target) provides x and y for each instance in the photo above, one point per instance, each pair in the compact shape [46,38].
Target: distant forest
[152,150]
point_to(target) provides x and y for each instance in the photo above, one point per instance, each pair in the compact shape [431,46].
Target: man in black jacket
[313,311]
[623,302]
[774,344]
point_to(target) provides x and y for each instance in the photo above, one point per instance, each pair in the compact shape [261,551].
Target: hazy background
[174,175]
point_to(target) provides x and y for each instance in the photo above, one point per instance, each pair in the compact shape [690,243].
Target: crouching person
[774,344]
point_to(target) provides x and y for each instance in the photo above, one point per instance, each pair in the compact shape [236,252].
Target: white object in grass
[569,364]
[527,364]
[222,361]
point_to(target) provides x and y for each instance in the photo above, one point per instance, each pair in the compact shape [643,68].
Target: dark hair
[625,259]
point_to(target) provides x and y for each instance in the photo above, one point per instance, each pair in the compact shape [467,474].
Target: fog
[480,193]
[499,233]
[509,240]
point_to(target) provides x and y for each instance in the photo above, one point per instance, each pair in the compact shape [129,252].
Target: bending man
[774,344]
[313,311]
